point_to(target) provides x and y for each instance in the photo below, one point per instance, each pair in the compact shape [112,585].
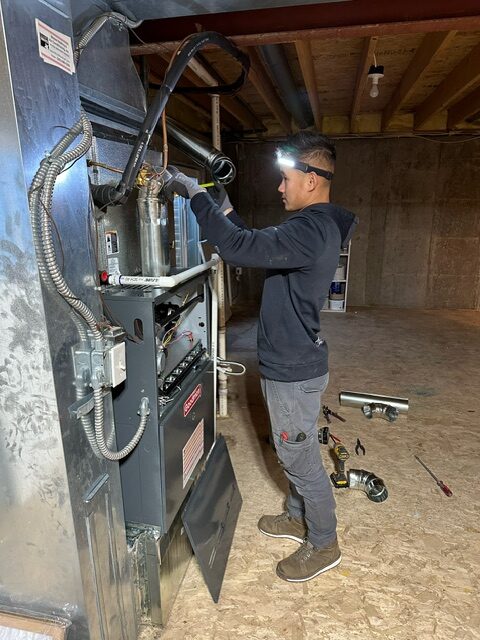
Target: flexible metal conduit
[276,60]
[368,482]
[107,194]
[95,27]
[355,399]
[40,200]
[220,166]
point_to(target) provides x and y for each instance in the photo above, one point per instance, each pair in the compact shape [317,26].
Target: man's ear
[312,181]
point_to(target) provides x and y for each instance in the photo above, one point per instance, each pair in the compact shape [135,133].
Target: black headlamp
[293,163]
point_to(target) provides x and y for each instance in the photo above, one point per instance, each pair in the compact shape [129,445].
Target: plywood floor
[411,565]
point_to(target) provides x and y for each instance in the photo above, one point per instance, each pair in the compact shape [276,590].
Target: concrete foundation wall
[417,244]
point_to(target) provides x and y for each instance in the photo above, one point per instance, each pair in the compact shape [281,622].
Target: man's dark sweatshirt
[300,256]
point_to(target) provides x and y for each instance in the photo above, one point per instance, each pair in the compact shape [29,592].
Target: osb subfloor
[410,568]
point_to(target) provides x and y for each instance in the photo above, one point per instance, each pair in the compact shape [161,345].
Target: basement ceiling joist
[431,64]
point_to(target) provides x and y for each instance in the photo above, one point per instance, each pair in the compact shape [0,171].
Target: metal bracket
[81,407]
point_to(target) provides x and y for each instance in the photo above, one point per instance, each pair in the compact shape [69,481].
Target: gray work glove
[181,184]
[220,197]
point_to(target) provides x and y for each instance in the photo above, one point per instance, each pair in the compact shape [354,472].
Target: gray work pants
[294,408]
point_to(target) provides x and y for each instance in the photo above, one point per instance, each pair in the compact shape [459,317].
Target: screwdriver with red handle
[441,484]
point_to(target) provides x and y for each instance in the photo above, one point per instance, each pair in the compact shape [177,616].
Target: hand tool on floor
[327,413]
[441,484]
[359,447]
[338,477]
[323,435]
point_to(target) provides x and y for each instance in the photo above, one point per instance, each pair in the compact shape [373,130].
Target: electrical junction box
[116,364]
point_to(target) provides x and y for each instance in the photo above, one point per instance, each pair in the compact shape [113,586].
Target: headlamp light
[293,163]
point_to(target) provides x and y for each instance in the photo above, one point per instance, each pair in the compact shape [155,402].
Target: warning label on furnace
[192,452]
[54,47]
[111,240]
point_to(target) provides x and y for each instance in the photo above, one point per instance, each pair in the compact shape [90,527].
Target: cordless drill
[339,478]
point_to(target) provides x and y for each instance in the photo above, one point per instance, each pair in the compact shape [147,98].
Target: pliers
[359,447]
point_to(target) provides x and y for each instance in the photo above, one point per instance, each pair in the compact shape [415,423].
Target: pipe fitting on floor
[368,482]
[385,411]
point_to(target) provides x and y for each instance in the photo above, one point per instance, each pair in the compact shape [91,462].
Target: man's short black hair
[311,147]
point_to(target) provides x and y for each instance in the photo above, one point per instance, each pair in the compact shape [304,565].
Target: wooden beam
[304,54]
[431,45]
[465,23]
[262,83]
[466,107]
[366,59]
[466,75]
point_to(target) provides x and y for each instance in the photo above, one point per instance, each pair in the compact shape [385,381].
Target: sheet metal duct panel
[152,9]
[211,514]
[63,549]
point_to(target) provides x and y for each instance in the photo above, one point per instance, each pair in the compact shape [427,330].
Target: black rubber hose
[106,196]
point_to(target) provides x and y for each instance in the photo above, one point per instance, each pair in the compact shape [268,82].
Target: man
[300,256]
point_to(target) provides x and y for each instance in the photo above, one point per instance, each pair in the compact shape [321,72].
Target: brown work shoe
[283,526]
[308,562]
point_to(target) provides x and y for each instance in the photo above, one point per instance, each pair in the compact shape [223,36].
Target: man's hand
[181,184]
[220,197]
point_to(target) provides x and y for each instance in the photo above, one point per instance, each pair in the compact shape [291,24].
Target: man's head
[307,163]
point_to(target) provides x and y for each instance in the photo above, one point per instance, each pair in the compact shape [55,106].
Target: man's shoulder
[314,216]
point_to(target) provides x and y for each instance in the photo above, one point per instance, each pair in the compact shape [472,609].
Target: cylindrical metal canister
[154,240]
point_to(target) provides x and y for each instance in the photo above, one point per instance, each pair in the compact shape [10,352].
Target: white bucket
[336,305]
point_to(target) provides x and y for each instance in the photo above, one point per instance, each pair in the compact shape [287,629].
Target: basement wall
[417,244]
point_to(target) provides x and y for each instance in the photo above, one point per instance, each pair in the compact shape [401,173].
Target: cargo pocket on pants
[298,458]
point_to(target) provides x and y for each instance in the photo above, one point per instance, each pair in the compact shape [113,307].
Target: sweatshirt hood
[345,220]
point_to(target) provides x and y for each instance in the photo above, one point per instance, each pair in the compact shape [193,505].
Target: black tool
[323,435]
[328,412]
[300,437]
[339,478]
[359,447]
[441,484]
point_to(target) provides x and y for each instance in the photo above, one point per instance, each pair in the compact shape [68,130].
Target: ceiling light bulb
[374,89]
[375,73]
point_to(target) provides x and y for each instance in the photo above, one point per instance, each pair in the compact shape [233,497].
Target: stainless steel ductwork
[355,399]
[220,166]
[276,60]
[152,9]
[368,482]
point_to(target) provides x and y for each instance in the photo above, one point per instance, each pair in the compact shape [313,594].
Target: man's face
[293,188]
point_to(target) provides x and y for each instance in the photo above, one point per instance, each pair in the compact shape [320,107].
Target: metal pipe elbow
[385,411]
[368,482]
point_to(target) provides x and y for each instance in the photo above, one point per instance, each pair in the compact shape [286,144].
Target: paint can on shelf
[336,289]
[336,305]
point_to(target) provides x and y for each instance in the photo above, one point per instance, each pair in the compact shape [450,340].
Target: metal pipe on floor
[356,399]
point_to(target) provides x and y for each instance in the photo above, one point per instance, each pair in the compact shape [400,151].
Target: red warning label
[191,400]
